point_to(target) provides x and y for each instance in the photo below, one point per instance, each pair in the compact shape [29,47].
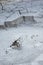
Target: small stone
[6,52]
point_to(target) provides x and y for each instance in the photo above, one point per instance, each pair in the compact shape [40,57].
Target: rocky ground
[17,9]
[31,35]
